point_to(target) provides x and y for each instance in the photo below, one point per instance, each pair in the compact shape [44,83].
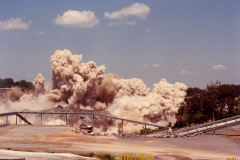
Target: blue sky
[193,42]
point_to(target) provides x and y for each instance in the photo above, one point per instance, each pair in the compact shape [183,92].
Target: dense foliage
[9,82]
[215,102]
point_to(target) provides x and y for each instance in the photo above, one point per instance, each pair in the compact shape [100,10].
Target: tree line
[215,102]
[9,82]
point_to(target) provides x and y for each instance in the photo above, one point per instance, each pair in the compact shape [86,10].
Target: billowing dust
[86,86]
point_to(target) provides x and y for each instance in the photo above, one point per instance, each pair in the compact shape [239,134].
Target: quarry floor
[62,139]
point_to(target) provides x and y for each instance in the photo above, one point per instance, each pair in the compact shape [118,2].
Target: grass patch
[103,156]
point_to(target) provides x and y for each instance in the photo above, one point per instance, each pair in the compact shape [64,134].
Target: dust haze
[86,86]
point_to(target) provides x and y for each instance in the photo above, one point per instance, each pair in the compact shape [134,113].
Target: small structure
[86,128]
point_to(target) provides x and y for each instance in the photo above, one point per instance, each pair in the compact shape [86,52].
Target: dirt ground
[223,145]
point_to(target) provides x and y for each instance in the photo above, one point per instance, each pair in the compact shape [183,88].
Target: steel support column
[145,130]
[93,121]
[66,119]
[122,127]
[41,118]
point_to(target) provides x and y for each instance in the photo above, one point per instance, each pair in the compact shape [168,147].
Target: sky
[192,42]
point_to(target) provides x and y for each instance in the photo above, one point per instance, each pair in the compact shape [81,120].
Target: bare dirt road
[62,139]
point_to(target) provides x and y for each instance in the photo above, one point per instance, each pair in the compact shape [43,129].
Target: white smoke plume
[84,85]
[39,84]
[131,87]
[157,106]
[75,82]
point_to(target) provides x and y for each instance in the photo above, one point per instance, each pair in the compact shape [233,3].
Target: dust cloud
[15,94]
[85,85]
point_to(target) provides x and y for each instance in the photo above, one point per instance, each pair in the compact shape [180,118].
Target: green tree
[24,84]
[220,100]
[6,83]
[217,101]
[9,82]
[182,116]
[237,88]
[193,91]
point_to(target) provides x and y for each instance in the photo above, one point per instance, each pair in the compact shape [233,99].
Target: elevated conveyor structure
[19,114]
[203,128]
[12,114]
